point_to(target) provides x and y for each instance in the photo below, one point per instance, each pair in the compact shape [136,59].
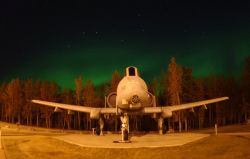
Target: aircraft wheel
[125,135]
[164,129]
[98,130]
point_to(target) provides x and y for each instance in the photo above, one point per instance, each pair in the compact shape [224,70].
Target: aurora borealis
[59,41]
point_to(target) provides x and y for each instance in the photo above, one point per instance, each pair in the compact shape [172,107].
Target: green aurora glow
[59,41]
[97,59]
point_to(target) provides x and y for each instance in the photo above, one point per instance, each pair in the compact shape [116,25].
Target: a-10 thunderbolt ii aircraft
[131,97]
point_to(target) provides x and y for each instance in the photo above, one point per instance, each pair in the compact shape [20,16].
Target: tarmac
[2,154]
[148,140]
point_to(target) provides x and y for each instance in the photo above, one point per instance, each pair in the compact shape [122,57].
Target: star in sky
[209,37]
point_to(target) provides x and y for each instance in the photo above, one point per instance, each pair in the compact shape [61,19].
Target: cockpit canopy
[131,71]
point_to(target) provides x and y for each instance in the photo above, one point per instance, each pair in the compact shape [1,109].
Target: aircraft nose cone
[135,99]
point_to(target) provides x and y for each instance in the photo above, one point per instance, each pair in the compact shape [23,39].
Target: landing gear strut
[99,127]
[160,125]
[101,123]
[125,127]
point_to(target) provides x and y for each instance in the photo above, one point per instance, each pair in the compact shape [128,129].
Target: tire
[125,135]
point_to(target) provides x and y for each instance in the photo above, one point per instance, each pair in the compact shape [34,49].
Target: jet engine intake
[150,101]
[111,100]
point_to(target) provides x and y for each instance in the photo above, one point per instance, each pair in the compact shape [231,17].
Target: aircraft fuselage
[132,91]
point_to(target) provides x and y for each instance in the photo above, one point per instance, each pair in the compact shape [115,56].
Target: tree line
[175,86]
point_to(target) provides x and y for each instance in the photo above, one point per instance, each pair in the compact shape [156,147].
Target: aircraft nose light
[135,99]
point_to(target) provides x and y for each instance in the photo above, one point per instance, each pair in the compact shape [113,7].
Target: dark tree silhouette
[78,91]
[68,98]
[88,98]
[175,87]
[245,86]
[114,81]
[13,101]
[28,96]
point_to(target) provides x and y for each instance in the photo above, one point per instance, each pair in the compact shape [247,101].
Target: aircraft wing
[85,109]
[182,106]
[147,110]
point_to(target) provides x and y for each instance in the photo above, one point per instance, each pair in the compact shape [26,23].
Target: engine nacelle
[111,100]
[95,113]
[167,114]
[150,101]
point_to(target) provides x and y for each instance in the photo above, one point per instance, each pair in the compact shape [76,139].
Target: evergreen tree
[48,92]
[174,88]
[2,101]
[13,100]
[114,81]
[88,93]
[88,96]
[174,82]
[67,98]
[153,87]
[245,86]
[37,95]
[79,88]
[28,95]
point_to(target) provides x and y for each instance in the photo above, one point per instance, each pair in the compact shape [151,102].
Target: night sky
[60,40]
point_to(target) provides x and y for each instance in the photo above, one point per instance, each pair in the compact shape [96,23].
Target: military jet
[132,97]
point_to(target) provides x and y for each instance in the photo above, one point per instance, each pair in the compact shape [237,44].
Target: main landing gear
[99,127]
[161,126]
[101,123]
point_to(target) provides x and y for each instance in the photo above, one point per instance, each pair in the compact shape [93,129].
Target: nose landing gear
[124,129]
